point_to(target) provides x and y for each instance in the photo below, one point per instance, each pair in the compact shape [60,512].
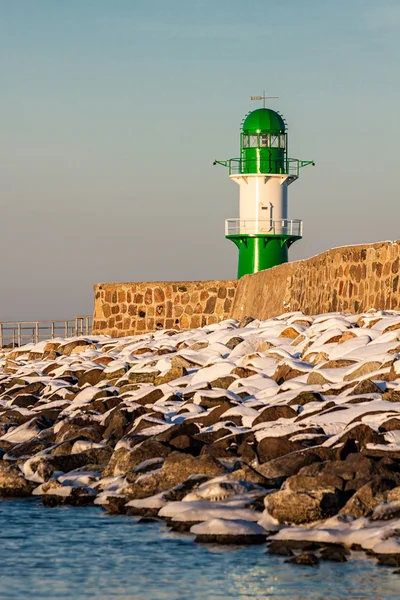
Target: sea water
[82,553]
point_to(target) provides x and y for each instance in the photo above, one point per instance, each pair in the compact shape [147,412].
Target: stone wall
[352,279]
[131,308]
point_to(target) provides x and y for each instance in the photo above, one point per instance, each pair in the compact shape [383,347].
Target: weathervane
[263,98]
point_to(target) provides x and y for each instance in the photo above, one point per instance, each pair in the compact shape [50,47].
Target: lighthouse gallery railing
[291,227]
[288,166]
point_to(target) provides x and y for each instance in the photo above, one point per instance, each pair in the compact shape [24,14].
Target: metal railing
[291,227]
[264,166]
[18,333]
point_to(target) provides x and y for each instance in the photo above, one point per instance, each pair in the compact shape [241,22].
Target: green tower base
[258,252]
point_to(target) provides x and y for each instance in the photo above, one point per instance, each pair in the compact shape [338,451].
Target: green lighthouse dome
[263,143]
[263,119]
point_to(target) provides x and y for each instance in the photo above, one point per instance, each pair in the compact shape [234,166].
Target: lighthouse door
[266,213]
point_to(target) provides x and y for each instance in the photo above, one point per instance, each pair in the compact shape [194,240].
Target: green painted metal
[293,165]
[264,147]
[263,119]
[263,142]
[259,252]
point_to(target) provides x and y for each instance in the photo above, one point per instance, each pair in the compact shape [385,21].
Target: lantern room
[263,143]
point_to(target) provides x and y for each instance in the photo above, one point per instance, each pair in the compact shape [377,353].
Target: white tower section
[263,203]
[262,198]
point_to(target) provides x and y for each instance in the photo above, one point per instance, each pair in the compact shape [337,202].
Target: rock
[355,471]
[199,346]
[149,520]
[247,449]
[142,377]
[186,428]
[180,362]
[285,373]
[24,400]
[320,482]
[211,417]
[302,507]
[391,396]
[316,378]
[67,349]
[304,398]
[314,357]
[246,321]
[34,388]
[305,560]
[215,401]
[247,473]
[171,375]
[273,413]
[279,548]
[383,453]
[70,462]
[335,553]
[92,377]
[349,447]
[115,372]
[243,372]
[176,469]
[150,397]
[27,449]
[368,497]
[116,424]
[338,364]
[363,434]
[222,382]
[188,444]
[289,332]
[224,531]
[391,424]
[221,451]
[123,460]
[231,540]
[393,495]
[348,335]
[233,342]
[366,387]
[364,369]
[116,505]
[79,496]
[274,447]
[279,469]
[74,432]
[12,483]
[177,493]
[389,560]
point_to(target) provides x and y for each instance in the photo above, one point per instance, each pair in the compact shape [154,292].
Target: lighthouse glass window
[245,141]
[274,141]
[264,140]
[253,141]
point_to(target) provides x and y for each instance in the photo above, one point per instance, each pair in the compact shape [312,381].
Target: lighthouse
[263,232]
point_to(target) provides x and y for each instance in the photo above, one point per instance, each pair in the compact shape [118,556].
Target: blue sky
[114,110]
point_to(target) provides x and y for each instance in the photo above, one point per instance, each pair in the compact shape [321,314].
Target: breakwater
[351,279]
[122,309]
[239,432]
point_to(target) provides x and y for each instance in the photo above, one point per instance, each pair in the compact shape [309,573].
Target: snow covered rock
[223,531]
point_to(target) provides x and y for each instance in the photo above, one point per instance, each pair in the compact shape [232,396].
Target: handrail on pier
[17,333]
